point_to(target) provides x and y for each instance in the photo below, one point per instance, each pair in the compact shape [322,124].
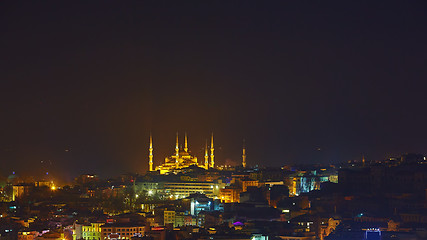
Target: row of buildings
[311,202]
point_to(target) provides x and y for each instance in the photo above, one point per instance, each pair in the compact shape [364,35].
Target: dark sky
[83,83]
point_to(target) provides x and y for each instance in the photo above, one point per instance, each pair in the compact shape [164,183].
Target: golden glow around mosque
[182,158]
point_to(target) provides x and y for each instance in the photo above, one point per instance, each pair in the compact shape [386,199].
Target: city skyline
[195,120]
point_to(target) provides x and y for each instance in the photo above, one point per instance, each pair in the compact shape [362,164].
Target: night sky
[84,83]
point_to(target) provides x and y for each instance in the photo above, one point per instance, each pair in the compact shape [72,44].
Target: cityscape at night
[193,120]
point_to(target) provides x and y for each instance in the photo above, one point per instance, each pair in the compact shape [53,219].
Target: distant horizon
[59,177]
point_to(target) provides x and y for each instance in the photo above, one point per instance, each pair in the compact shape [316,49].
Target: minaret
[212,152]
[176,150]
[186,143]
[206,155]
[244,155]
[363,160]
[150,156]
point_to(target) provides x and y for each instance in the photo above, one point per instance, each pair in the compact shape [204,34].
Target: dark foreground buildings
[356,200]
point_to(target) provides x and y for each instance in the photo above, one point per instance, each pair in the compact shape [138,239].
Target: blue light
[373,234]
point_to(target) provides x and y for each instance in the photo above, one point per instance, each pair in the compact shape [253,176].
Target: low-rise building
[122,230]
[247,182]
[28,235]
[51,236]
[230,194]
[184,189]
[92,231]
[169,217]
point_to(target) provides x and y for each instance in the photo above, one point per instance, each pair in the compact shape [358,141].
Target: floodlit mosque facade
[182,157]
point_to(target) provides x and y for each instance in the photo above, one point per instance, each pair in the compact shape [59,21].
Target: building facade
[92,231]
[121,230]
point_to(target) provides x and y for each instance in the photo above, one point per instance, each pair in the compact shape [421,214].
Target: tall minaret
[212,153]
[244,155]
[176,150]
[150,156]
[206,155]
[185,143]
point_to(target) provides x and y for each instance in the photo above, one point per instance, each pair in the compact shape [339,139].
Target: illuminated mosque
[182,157]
